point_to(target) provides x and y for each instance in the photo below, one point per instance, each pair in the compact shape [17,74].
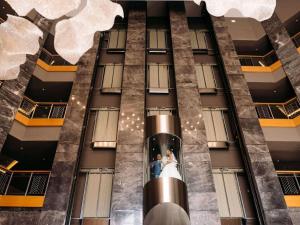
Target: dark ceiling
[260,47]
[40,91]
[32,155]
[5,9]
[280,91]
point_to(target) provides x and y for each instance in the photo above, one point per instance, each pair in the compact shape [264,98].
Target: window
[228,193]
[215,128]
[160,111]
[157,40]
[97,193]
[105,130]
[117,39]
[112,78]
[206,78]
[158,78]
[198,39]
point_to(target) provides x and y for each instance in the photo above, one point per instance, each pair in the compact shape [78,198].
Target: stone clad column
[259,161]
[285,50]
[12,91]
[127,196]
[202,196]
[58,193]
[290,59]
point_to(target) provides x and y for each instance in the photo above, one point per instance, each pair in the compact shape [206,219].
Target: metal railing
[47,110]
[296,39]
[253,60]
[287,110]
[25,183]
[290,183]
[161,111]
[53,59]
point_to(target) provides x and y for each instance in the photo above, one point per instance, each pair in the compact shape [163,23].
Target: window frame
[157,50]
[86,173]
[117,90]
[217,144]
[198,50]
[107,143]
[235,172]
[208,90]
[158,90]
[116,49]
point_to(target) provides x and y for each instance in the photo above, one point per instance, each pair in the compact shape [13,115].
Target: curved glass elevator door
[165,192]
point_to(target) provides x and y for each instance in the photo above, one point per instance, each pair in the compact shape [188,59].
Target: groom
[156,166]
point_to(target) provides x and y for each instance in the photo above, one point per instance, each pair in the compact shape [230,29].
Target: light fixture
[233,21]
[74,36]
[18,37]
[256,9]
[52,9]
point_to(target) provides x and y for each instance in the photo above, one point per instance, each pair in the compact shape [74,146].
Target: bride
[169,164]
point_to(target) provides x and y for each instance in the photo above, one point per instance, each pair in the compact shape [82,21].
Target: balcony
[290,184]
[32,113]
[54,63]
[279,114]
[23,188]
[255,63]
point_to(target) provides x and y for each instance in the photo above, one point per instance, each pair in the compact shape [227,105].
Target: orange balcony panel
[21,201]
[38,122]
[262,69]
[50,68]
[280,122]
[292,201]
[298,49]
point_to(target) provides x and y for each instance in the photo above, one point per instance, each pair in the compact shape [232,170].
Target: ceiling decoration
[18,37]
[256,9]
[50,9]
[74,36]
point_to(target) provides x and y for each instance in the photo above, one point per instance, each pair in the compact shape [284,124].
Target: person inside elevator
[169,166]
[156,166]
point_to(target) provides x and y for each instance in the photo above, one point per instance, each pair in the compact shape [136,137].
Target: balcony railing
[296,39]
[290,183]
[53,59]
[24,183]
[252,60]
[287,110]
[45,110]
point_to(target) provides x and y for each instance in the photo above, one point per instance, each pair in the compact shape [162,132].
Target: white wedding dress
[170,168]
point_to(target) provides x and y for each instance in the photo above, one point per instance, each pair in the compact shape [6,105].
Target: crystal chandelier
[80,19]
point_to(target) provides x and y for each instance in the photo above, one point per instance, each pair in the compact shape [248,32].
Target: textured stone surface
[264,178]
[12,91]
[127,196]
[295,215]
[285,50]
[197,163]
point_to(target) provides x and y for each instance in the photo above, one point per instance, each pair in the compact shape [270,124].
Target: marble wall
[285,50]
[12,91]
[197,163]
[127,196]
[264,177]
